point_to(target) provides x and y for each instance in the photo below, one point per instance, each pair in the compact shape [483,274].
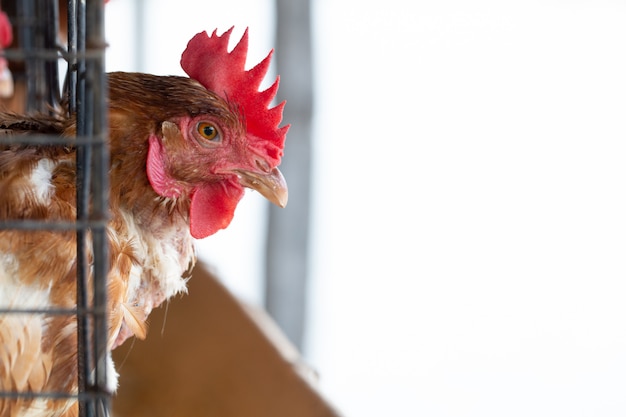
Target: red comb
[208,61]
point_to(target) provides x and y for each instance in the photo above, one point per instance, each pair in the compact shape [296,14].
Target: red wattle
[212,208]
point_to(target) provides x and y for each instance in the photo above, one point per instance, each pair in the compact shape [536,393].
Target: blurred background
[466,254]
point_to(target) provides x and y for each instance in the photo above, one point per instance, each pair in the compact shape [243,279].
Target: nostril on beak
[263,165]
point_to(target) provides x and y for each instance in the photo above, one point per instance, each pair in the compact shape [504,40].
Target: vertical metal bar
[72,34]
[288,228]
[100,188]
[83,179]
[92,188]
[50,32]
[26,12]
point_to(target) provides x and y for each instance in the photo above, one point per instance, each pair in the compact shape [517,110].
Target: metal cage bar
[92,187]
[37,23]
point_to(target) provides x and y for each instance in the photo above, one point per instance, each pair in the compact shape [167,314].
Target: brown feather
[149,242]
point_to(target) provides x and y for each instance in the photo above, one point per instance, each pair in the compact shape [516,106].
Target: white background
[469,230]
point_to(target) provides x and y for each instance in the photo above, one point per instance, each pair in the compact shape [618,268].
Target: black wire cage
[54,69]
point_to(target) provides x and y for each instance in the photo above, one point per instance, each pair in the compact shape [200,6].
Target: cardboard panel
[207,355]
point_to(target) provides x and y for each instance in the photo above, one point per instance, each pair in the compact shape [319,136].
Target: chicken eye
[208,131]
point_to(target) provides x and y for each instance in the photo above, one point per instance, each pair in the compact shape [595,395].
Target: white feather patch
[41,179]
[162,262]
[16,295]
[9,270]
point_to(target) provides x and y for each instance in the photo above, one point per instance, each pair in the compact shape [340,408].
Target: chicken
[182,150]
[6,38]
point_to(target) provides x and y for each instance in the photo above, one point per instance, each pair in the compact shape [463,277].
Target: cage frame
[84,89]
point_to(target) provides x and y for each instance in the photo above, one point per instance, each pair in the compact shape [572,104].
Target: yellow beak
[271,185]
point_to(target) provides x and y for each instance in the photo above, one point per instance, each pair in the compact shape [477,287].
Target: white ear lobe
[170,130]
